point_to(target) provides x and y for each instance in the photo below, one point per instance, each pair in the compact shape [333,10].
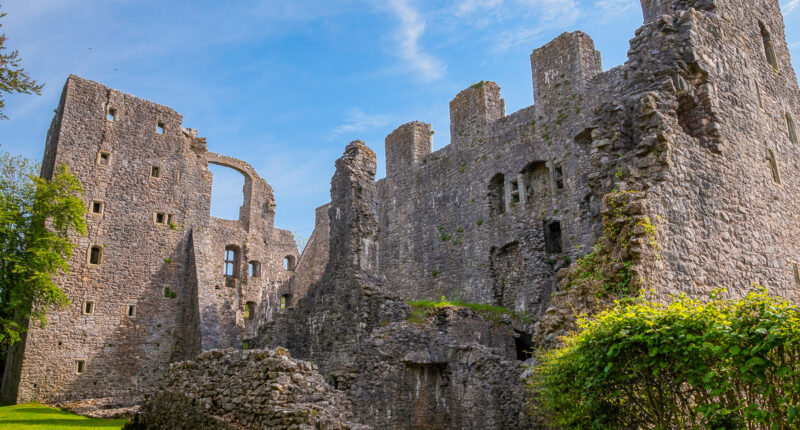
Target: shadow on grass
[59,423]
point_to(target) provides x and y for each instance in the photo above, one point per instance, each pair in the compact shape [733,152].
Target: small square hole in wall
[80,366]
[160,128]
[160,218]
[155,172]
[103,158]
[97,207]
[88,307]
[131,311]
[112,114]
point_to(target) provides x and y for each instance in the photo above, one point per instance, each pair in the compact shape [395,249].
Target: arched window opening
[286,301]
[227,192]
[254,269]
[792,128]
[288,263]
[497,204]
[769,51]
[249,310]
[552,237]
[231,261]
[773,164]
[535,178]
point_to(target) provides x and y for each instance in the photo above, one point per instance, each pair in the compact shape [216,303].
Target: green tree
[13,78]
[37,217]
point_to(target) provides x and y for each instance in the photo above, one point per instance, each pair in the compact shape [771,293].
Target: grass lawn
[35,416]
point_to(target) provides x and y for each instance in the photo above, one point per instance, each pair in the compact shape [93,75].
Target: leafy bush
[725,364]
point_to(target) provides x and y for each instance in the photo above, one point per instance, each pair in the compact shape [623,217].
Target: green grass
[33,416]
[491,311]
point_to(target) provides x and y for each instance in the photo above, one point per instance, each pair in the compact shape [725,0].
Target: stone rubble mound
[256,389]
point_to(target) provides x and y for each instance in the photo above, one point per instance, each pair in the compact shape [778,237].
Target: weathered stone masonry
[158,292]
[690,150]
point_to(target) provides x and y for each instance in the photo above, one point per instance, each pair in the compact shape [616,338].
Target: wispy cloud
[790,6]
[612,9]
[411,29]
[467,7]
[357,121]
[794,45]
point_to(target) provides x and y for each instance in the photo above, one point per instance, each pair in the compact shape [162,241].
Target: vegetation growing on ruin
[421,309]
[37,218]
[34,416]
[721,364]
[13,78]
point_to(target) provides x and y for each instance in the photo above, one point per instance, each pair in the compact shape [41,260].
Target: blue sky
[285,85]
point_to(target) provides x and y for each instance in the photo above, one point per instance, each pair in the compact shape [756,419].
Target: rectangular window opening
[160,128]
[131,311]
[112,114]
[155,172]
[103,158]
[558,176]
[80,366]
[249,310]
[552,237]
[796,269]
[95,255]
[169,219]
[792,129]
[514,192]
[97,207]
[160,218]
[88,307]
[255,269]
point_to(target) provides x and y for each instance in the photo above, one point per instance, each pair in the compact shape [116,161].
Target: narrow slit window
[288,263]
[254,269]
[773,165]
[769,50]
[796,270]
[131,311]
[286,301]
[558,177]
[112,114]
[155,172]
[95,255]
[80,366]
[97,207]
[169,219]
[792,129]
[160,128]
[88,307]
[514,192]
[103,158]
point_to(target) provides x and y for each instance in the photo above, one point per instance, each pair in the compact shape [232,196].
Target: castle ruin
[694,139]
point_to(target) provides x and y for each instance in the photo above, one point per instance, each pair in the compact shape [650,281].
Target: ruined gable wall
[311,264]
[125,355]
[443,231]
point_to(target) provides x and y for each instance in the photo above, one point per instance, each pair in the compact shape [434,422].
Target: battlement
[473,109]
[406,146]
[563,67]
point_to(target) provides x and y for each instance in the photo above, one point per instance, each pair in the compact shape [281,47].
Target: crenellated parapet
[563,67]
[406,146]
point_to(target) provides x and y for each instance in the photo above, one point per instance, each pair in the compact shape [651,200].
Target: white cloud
[794,45]
[412,27]
[611,9]
[790,6]
[357,121]
[466,7]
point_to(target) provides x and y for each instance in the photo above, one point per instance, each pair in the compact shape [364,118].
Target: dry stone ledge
[257,389]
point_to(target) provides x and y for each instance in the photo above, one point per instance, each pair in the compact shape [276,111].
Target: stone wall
[153,297]
[244,390]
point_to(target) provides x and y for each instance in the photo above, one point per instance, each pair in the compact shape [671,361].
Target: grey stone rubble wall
[312,262]
[228,389]
[126,355]
[456,370]
[347,302]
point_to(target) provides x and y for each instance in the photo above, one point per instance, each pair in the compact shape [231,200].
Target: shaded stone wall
[153,291]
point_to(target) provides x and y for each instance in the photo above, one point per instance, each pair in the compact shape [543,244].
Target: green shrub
[725,364]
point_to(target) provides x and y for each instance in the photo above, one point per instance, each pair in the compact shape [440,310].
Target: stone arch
[248,189]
